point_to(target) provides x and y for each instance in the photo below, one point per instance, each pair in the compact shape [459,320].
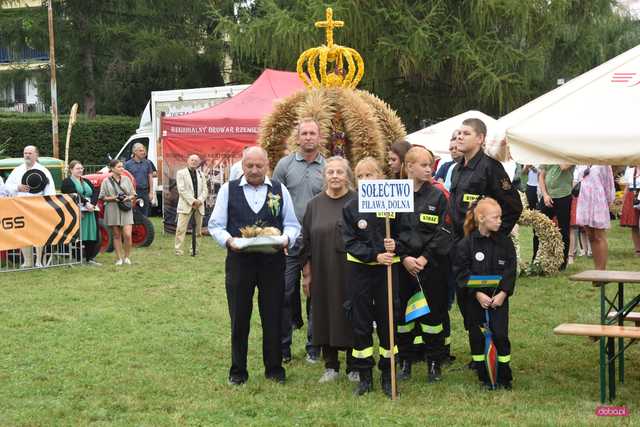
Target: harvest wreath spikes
[370,126]
[550,252]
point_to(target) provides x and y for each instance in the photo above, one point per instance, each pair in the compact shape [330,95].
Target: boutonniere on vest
[273,203]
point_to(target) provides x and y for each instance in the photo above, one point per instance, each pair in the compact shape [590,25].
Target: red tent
[218,134]
[231,124]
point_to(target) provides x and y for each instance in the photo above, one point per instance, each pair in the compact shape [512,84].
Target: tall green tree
[434,58]
[112,53]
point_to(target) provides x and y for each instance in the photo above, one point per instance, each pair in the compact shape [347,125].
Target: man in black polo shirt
[142,170]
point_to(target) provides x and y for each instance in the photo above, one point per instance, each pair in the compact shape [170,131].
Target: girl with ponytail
[485,270]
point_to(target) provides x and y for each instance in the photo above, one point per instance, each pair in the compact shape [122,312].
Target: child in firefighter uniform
[425,243]
[368,255]
[485,268]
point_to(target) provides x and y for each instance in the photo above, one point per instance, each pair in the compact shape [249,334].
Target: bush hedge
[91,140]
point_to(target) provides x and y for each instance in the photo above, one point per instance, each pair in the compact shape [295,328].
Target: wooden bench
[633,316]
[609,331]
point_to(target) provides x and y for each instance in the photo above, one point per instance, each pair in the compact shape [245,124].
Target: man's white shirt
[256,197]
[15,178]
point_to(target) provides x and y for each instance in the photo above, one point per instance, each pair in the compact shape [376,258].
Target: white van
[171,103]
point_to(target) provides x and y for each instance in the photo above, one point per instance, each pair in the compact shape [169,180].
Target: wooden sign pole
[390,313]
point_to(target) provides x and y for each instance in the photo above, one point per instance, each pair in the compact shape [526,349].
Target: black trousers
[428,330]
[143,194]
[561,209]
[243,273]
[292,308]
[330,356]
[89,251]
[499,325]
[532,196]
[366,303]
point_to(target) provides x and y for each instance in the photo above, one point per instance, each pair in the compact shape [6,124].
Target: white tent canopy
[592,119]
[436,137]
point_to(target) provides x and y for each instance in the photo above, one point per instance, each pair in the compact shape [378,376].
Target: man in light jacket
[192,191]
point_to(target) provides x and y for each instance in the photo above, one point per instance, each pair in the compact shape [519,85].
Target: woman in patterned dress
[597,192]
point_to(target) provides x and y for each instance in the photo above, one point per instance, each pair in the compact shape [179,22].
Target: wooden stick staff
[73,117]
[392,358]
[193,230]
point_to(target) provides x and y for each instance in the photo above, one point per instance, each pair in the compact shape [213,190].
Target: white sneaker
[354,376]
[38,265]
[127,261]
[329,376]
[93,262]
[119,262]
[312,359]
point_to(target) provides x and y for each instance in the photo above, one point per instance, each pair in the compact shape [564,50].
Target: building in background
[19,65]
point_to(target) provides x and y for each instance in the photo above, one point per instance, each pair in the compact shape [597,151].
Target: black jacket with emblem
[364,233]
[483,176]
[424,232]
[486,256]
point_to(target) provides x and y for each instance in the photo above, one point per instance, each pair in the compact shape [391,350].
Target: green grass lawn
[150,345]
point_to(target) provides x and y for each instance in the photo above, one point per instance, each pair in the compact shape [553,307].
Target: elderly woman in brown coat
[324,258]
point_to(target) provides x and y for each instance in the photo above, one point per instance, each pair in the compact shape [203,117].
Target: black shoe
[385,382]
[435,372]
[506,386]
[286,356]
[448,360]
[235,381]
[405,370]
[365,384]
[279,378]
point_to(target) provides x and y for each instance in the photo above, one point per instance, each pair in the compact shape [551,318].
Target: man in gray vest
[302,173]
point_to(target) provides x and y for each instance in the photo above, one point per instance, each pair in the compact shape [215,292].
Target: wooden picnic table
[619,310]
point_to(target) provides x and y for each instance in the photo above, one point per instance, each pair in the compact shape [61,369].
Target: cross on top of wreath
[329,24]
[338,66]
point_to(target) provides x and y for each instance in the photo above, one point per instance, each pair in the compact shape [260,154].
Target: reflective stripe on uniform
[418,340]
[362,354]
[477,357]
[447,340]
[432,329]
[351,258]
[504,359]
[386,353]
[408,327]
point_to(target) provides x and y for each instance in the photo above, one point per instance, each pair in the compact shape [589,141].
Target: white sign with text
[385,195]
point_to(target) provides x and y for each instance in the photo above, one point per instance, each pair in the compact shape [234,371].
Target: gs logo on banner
[10,223]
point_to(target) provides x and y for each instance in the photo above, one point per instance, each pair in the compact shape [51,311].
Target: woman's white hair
[347,168]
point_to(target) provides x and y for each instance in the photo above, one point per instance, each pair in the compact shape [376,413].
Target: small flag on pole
[416,306]
[490,352]
[483,281]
